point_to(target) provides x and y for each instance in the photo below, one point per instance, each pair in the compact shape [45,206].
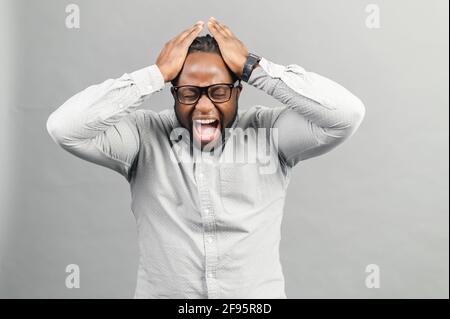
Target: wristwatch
[252,60]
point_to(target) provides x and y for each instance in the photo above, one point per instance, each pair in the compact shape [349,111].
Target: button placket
[209,230]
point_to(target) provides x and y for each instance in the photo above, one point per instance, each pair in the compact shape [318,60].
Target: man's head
[204,66]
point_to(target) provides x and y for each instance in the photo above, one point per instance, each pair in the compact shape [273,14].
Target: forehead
[204,68]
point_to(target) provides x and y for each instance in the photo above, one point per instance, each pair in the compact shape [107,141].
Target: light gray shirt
[208,226]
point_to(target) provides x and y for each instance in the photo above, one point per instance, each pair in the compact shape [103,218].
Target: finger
[222,27]
[185,33]
[226,30]
[194,29]
[216,31]
[194,33]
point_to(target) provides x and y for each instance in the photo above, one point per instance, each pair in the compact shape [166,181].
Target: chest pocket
[245,187]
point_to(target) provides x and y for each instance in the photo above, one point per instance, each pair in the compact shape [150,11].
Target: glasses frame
[205,89]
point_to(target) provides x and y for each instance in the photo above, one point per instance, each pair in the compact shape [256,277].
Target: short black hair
[205,43]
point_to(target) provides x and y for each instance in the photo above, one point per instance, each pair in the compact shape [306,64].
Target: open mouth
[206,130]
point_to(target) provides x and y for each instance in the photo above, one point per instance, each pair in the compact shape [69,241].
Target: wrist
[251,63]
[163,73]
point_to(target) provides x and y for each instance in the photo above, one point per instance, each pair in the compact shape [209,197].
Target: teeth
[204,121]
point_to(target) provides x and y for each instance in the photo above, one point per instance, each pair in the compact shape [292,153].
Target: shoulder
[259,116]
[155,121]
[156,117]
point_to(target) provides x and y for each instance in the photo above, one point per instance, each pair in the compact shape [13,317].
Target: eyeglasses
[217,93]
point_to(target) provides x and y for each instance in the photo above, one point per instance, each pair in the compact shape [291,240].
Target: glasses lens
[187,94]
[220,93]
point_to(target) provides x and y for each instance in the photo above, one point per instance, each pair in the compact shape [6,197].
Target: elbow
[353,113]
[51,126]
[351,118]
[358,112]
[55,129]
[360,109]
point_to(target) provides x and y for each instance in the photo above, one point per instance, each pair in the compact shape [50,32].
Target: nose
[204,104]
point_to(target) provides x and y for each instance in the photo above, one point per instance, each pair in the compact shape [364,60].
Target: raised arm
[100,124]
[318,115]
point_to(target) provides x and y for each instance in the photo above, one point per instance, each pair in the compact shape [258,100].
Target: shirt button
[206,211]
[210,239]
[121,106]
[210,275]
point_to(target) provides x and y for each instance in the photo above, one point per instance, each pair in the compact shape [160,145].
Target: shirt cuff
[272,69]
[267,68]
[148,79]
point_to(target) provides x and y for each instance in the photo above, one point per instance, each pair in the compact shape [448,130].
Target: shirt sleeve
[100,124]
[318,114]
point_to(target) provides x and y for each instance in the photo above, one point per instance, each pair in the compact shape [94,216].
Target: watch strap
[252,60]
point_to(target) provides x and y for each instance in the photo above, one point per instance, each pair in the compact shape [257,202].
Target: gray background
[381,197]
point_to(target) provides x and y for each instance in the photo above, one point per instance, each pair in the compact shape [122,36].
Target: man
[207,227]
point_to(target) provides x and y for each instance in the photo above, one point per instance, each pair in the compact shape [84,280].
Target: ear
[239,89]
